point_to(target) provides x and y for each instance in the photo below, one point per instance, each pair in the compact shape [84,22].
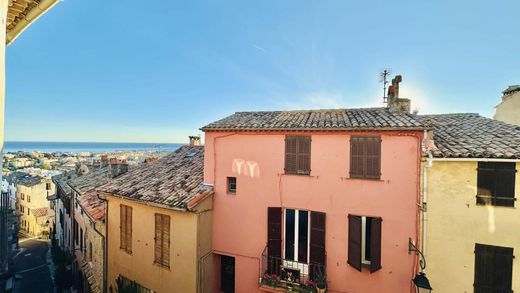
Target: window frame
[299,139]
[228,185]
[164,246]
[125,235]
[354,173]
[356,249]
[498,174]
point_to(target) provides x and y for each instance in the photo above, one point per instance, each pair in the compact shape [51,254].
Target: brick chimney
[194,140]
[117,167]
[395,103]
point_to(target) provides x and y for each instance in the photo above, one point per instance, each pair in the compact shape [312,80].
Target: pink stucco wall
[240,221]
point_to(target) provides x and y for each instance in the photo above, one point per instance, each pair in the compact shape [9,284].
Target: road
[32,265]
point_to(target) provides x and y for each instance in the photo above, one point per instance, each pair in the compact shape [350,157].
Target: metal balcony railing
[280,273]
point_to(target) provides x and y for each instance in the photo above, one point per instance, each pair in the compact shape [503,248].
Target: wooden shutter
[354,241]
[166,241]
[493,268]
[158,239]
[357,157]
[129,229]
[122,227]
[291,157]
[317,242]
[274,239]
[375,245]
[373,157]
[304,155]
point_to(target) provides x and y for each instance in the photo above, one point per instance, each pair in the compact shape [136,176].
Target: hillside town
[298,201]
[369,199]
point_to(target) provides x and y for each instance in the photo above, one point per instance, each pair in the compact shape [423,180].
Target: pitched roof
[324,120]
[170,182]
[29,180]
[469,135]
[90,181]
[40,212]
[93,205]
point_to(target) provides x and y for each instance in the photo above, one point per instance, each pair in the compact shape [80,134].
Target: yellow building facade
[33,207]
[509,108]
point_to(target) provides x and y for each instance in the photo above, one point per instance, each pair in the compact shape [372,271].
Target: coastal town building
[471,185]
[509,108]
[159,225]
[32,204]
[315,196]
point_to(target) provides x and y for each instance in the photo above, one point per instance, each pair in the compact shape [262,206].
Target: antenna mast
[383,78]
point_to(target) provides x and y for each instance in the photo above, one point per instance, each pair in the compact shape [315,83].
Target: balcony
[282,275]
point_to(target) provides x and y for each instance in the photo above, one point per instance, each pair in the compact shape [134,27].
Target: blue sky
[138,72]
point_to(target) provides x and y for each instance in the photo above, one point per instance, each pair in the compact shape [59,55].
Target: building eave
[29,18]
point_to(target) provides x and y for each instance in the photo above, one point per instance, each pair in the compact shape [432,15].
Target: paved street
[32,265]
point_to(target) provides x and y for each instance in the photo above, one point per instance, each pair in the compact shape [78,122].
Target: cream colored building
[33,207]
[472,218]
[509,108]
[159,225]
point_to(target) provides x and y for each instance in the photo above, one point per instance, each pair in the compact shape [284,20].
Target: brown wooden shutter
[375,245]
[317,242]
[122,227]
[357,157]
[128,229]
[354,241]
[373,157]
[166,241]
[291,157]
[158,239]
[304,155]
[493,269]
[274,239]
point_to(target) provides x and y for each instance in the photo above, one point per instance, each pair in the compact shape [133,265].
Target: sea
[94,147]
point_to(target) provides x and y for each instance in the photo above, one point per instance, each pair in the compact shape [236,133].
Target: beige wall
[509,110]
[38,199]
[185,249]
[456,223]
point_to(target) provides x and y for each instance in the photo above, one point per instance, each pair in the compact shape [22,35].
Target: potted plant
[321,281]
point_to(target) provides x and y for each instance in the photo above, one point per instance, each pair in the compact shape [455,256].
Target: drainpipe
[105,245]
[424,206]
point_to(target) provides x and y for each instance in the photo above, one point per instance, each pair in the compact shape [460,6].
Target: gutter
[30,18]
[424,206]
[474,160]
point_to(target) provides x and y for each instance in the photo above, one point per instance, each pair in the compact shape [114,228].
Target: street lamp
[422,284]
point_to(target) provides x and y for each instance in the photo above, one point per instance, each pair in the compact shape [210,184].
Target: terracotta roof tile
[170,182]
[326,120]
[40,212]
[469,135]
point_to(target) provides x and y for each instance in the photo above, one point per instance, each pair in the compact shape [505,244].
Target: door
[227,274]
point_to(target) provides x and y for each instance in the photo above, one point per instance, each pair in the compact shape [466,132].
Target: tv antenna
[383,78]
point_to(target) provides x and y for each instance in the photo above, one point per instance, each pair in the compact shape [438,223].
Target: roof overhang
[22,13]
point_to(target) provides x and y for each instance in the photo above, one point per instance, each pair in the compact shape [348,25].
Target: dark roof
[29,180]
[62,181]
[325,120]
[469,135]
[90,181]
[511,89]
[93,205]
[170,182]
[15,176]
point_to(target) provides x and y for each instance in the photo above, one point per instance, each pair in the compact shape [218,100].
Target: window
[47,186]
[296,246]
[496,184]
[28,211]
[162,240]
[28,198]
[493,269]
[232,185]
[81,239]
[90,251]
[125,228]
[298,155]
[365,157]
[364,242]
[76,240]
[22,196]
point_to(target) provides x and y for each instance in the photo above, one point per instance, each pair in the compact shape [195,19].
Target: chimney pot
[194,140]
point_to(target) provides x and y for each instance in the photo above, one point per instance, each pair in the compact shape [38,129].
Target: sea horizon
[94,147]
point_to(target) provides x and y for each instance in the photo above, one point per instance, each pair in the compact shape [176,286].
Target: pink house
[305,194]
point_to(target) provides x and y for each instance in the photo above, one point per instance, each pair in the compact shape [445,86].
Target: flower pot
[320,290]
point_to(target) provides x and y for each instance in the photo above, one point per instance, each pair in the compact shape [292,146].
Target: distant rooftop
[511,89]
[469,135]
[321,120]
[23,178]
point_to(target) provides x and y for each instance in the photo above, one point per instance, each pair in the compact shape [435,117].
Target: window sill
[364,179]
[231,193]
[298,175]
[164,267]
